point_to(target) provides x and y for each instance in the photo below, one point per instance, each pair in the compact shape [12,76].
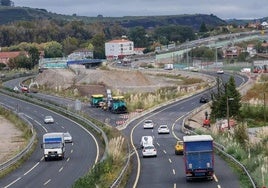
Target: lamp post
[227,110]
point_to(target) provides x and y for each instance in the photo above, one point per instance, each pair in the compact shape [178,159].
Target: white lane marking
[165,151]
[72,151]
[158,144]
[215,178]
[41,125]
[60,169]
[13,182]
[36,122]
[174,172]
[170,160]
[31,169]
[174,185]
[68,159]
[62,127]
[47,182]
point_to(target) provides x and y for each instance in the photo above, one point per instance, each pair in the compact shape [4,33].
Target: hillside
[13,14]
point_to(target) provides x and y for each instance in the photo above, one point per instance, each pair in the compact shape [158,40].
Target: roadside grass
[25,137]
[253,154]
[104,173]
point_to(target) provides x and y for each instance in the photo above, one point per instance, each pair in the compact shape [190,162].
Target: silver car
[163,129]
[148,124]
[149,151]
[67,137]
[48,119]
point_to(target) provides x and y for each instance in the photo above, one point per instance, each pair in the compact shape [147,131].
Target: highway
[167,169]
[80,155]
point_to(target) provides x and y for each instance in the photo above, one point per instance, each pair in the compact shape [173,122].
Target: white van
[146,140]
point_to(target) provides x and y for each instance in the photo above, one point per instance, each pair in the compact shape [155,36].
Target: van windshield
[52,145]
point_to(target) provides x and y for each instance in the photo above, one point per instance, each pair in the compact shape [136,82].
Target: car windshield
[48,117]
[163,126]
[148,121]
[67,135]
[149,147]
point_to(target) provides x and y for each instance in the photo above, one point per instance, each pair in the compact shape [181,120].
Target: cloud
[117,8]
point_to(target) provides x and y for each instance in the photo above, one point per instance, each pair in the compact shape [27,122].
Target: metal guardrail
[118,180]
[17,157]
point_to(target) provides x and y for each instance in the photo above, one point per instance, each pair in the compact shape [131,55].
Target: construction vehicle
[96,100]
[114,104]
[117,105]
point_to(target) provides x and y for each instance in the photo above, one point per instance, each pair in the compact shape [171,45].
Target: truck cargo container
[198,157]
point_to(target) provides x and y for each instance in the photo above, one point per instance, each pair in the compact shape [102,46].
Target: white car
[149,151]
[48,119]
[148,124]
[67,137]
[163,129]
[220,71]
[146,140]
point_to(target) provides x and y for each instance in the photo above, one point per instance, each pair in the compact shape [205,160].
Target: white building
[81,54]
[119,48]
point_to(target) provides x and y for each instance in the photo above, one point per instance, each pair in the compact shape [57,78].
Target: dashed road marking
[47,182]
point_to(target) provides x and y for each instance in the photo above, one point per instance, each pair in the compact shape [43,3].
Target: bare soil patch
[92,81]
[11,140]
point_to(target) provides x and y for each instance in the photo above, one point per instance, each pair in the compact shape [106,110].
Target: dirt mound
[92,81]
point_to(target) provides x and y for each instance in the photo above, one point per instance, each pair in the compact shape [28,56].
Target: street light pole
[227,110]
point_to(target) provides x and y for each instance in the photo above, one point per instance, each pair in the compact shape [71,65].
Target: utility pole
[227,110]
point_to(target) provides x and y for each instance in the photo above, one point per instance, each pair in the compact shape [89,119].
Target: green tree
[21,61]
[53,49]
[233,93]
[98,42]
[69,45]
[203,28]
[138,36]
[34,56]
[226,93]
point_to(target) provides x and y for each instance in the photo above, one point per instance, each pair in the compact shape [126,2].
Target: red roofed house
[119,48]
[6,56]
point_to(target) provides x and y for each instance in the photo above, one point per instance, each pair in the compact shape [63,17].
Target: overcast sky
[224,9]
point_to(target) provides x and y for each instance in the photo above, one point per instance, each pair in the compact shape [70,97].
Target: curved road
[80,155]
[167,169]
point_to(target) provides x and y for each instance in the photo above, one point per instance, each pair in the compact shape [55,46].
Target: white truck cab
[53,146]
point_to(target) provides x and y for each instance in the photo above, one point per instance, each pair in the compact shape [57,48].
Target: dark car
[203,99]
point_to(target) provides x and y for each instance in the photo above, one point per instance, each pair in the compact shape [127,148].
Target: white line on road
[41,125]
[174,172]
[31,169]
[165,151]
[47,182]
[170,160]
[60,169]
[13,182]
